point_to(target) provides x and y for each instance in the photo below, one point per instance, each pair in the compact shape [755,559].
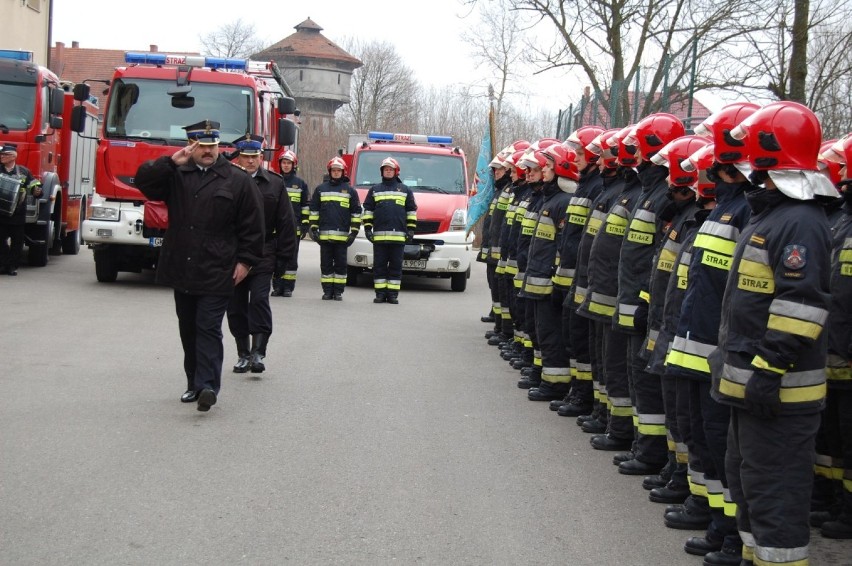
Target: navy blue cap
[205,132]
[8,148]
[249,144]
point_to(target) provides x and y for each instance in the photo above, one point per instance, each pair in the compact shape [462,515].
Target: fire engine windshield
[422,172]
[17,105]
[142,108]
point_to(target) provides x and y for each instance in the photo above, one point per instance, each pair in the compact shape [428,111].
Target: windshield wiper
[428,189]
[154,140]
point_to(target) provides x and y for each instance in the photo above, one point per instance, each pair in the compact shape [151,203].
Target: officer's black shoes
[189,396]
[610,443]
[670,493]
[338,297]
[244,353]
[674,508]
[258,352]
[687,520]
[487,318]
[727,556]
[495,340]
[637,467]
[594,426]
[206,399]
[622,457]
[555,404]
[276,293]
[526,371]
[574,409]
[699,546]
[818,518]
[584,419]
[521,364]
[836,529]
[393,300]
[12,272]
[379,299]
[489,333]
[538,394]
[652,482]
[327,296]
[286,293]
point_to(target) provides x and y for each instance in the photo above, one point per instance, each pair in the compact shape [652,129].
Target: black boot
[393,299]
[258,352]
[380,298]
[243,351]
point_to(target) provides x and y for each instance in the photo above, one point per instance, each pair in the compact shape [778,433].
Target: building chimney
[75,45]
[153,48]
[587,92]
[57,59]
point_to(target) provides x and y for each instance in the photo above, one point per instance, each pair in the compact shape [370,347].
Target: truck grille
[427,227]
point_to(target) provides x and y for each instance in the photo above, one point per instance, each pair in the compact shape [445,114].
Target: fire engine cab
[150,101]
[436,172]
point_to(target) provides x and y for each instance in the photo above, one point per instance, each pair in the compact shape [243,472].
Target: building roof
[309,43]
[597,112]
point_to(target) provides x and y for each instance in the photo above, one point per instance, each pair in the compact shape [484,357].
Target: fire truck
[36,115]
[436,172]
[149,101]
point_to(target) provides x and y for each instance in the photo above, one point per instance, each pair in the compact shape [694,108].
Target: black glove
[763,394]
[640,317]
[409,236]
[368,231]
[305,228]
[315,233]
[351,238]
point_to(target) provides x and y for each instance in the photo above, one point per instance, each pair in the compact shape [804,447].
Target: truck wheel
[458,281]
[72,240]
[105,268]
[352,274]
[37,254]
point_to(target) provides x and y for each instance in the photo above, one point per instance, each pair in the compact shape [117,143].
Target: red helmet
[839,152]
[655,131]
[700,161]
[828,163]
[583,136]
[564,161]
[288,155]
[624,152]
[676,151]
[600,147]
[511,163]
[532,158]
[718,127]
[390,162]
[336,163]
[781,135]
[520,145]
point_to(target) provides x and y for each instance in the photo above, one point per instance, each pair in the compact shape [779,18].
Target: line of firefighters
[688,298]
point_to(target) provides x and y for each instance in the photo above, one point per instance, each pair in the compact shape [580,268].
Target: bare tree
[235,39]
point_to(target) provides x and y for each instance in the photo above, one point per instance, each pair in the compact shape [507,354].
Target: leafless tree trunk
[235,39]
[799,51]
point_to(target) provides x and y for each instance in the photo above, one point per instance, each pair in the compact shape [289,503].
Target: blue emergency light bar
[168,59]
[16,55]
[409,138]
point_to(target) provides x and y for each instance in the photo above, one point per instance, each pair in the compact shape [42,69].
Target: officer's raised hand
[182,156]
[763,394]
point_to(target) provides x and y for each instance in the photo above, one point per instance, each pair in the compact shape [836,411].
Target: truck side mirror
[81,92]
[56,122]
[78,119]
[286,105]
[286,132]
[57,101]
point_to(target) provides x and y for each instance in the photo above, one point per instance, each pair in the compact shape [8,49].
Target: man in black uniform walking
[12,226]
[214,238]
[249,314]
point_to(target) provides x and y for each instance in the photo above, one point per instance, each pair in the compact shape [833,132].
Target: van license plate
[414,264]
[155,242]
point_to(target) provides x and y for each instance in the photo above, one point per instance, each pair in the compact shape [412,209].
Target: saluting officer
[215,237]
[249,313]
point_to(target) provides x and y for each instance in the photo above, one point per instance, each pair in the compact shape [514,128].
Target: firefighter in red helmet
[284,278]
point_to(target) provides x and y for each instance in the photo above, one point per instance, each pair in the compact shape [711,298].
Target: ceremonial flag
[483,180]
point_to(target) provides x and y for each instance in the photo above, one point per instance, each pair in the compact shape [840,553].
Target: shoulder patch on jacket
[795,256]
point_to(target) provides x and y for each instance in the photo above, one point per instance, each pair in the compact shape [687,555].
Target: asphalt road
[380,434]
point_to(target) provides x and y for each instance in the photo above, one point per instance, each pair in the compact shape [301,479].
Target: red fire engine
[149,102]
[35,114]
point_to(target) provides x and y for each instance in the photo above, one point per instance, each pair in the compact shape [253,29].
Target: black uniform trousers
[555,361]
[284,277]
[333,267]
[576,332]
[529,319]
[769,465]
[691,428]
[620,423]
[249,312]
[491,275]
[387,266]
[647,397]
[835,442]
[200,323]
[10,253]
[678,456]
[600,410]
[505,288]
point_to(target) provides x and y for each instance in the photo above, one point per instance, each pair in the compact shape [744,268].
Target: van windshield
[142,108]
[17,105]
[420,171]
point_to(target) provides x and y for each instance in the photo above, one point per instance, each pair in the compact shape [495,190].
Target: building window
[301,75]
[34,4]
[338,78]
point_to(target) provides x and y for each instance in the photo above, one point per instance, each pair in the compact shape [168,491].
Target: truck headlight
[104,213]
[459,220]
